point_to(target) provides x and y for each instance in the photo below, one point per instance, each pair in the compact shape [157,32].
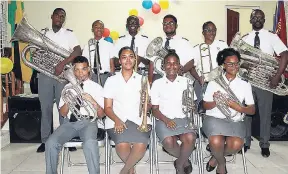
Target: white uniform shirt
[141,42]
[105,53]
[64,38]
[215,47]
[168,95]
[240,88]
[269,42]
[126,98]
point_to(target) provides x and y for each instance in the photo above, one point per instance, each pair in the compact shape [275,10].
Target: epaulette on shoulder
[121,36]
[185,38]
[45,29]
[144,36]
[245,35]
[221,40]
[69,30]
[272,32]
[195,45]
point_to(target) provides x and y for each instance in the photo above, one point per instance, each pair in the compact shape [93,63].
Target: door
[232,24]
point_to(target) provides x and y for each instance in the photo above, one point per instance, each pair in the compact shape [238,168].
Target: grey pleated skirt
[130,135]
[163,132]
[216,126]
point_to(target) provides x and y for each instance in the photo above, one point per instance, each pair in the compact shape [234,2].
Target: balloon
[156,8]
[6,65]
[114,35]
[133,12]
[141,20]
[164,4]
[147,4]
[108,39]
[106,32]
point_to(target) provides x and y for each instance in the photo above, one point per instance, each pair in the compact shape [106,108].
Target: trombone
[92,42]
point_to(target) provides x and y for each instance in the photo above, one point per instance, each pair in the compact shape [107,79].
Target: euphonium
[155,48]
[257,67]
[72,96]
[143,104]
[45,53]
[92,42]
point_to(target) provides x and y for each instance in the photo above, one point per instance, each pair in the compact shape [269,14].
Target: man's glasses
[168,23]
[231,64]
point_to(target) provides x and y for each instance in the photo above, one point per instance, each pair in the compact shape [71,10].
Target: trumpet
[91,42]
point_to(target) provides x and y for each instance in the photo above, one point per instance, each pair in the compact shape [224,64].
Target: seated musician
[85,129]
[121,104]
[226,136]
[171,124]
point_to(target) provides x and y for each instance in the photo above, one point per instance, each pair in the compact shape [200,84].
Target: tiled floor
[22,159]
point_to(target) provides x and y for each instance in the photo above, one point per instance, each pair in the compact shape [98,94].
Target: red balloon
[156,8]
[141,20]
[106,32]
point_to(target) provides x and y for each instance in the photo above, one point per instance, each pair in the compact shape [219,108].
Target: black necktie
[72,117]
[167,43]
[98,57]
[132,42]
[257,40]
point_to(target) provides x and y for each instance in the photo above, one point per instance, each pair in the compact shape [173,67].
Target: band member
[226,137]
[103,53]
[269,43]
[166,99]
[122,108]
[172,41]
[48,88]
[85,129]
[134,40]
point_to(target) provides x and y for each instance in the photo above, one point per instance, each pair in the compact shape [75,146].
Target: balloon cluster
[6,65]
[110,36]
[156,7]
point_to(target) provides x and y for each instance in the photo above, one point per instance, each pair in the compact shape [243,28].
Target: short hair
[204,26]
[80,59]
[125,48]
[58,9]
[257,10]
[222,55]
[172,17]
[96,22]
[171,52]
[132,17]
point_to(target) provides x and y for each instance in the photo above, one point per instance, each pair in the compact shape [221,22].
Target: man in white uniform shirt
[134,40]
[103,52]
[48,88]
[85,129]
[269,43]
[172,41]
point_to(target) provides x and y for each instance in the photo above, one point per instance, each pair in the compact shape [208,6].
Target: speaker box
[279,129]
[24,119]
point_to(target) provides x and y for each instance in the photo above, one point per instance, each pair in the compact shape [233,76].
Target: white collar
[177,79]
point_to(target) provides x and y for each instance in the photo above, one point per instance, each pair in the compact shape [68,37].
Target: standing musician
[48,88]
[269,43]
[172,41]
[103,50]
[121,105]
[166,98]
[226,135]
[135,41]
[85,129]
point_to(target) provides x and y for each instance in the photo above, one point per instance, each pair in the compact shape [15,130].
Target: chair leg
[200,151]
[107,162]
[244,161]
[156,153]
[62,160]
[151,158]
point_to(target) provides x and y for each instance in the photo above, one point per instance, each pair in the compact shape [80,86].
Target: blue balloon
[147,4]
[108,39]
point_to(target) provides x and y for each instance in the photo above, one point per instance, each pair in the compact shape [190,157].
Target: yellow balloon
[164,4]
[133,12]
[114,35]
[6,65]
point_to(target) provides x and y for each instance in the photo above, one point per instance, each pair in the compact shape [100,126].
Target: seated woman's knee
[216,141]
[169,142]
[188,138]
[238,144]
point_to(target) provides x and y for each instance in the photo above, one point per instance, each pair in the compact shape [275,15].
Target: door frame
[231,7]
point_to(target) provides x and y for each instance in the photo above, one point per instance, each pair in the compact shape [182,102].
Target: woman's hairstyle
[125,48]
[205,25]
[222,55]
[171,52]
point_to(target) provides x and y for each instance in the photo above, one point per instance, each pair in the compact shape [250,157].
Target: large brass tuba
[155,48]
[258,67]
[72,96]
[45,53]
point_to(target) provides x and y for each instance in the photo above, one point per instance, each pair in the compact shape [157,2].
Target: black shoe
[265,152]
[245,149]
[41,148]
[72,149]
[164,149]
[188,169]
[208,167]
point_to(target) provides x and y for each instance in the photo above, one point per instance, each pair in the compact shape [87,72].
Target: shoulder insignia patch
[45,29]
[185,38]
[272,32]
[144,36]
[221,40]
[121,36]
[245,35]
[195,45]
[69,30]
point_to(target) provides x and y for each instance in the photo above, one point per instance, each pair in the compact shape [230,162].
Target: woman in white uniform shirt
[166,98]
[122,101]
[226,137]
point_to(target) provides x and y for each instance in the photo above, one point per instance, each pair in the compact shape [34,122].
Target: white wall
[190,14]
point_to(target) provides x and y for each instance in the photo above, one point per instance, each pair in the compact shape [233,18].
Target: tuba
[45,53]
[257,67]
[72,96]
[155,48]
[93,42]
